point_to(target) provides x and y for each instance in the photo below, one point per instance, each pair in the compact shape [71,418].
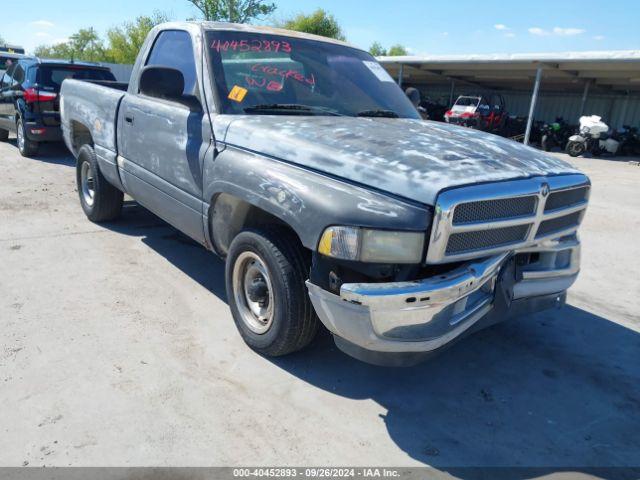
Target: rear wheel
[26,147]
[575,149]
[4,135]
[100,200]
[265,274]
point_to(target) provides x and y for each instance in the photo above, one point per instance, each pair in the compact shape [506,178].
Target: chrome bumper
[424,315]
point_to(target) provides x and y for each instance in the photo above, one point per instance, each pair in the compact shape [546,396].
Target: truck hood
[413,159]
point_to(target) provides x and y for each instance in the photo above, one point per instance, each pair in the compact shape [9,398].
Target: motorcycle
[629,139]
[593,138]
[554,134]
[436,109]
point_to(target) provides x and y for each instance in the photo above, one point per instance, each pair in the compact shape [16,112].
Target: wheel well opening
[229,215]
[80,135]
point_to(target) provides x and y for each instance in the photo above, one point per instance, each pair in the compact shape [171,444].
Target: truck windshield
[50,77]
[279,75]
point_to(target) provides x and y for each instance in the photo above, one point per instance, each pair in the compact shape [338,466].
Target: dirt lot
[117,348]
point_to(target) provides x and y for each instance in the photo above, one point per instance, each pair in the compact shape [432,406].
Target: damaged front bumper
[399,322]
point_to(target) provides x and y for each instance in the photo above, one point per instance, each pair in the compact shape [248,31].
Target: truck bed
[94,106]
[123,86]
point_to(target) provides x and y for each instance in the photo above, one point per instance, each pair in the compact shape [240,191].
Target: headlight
[372,246]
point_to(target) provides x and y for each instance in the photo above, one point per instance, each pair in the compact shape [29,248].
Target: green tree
[377,50]
[87,45]
[84,45]
[59,50]
[235,11]
[125,41]
[319,23]
[397,51]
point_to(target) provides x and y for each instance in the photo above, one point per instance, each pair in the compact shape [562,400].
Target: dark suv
[29,102]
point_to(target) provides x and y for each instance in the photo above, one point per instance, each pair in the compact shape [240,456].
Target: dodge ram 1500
[300,161]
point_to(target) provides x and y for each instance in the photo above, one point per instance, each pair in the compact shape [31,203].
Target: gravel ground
[117,348]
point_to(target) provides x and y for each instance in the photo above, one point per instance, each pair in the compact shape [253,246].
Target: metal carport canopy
[616,72]
[610,71]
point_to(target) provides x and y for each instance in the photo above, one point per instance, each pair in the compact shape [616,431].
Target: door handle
[129,120]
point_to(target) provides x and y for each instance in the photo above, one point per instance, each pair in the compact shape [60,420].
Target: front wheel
[575,149]
[100,200]
[26,147]
[264,274]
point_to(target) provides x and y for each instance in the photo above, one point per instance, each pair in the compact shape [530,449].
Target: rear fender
[88,115]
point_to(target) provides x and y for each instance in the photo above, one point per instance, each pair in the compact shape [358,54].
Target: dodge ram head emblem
[544,190]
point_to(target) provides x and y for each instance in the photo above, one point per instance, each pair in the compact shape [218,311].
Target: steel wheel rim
[20,135]
[250,270]
[87,183]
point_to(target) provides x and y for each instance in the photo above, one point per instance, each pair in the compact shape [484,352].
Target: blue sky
[424,27]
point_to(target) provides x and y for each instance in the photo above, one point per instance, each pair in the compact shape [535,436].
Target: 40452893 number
[252,45]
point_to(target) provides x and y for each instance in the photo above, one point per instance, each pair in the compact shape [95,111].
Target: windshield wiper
[290,107]
[378,113]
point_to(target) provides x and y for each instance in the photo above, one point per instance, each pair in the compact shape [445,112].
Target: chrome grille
[566,198]
[487,219]
[469,241]
[558,224]
[494,209]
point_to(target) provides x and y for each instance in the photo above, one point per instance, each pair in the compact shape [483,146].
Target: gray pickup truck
[299,161]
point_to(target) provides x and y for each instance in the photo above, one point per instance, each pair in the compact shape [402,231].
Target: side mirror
[161,82]
[167,83]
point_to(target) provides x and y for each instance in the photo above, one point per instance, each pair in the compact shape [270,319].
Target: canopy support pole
[532,107]
[453,86]
[400,75]
[585,94]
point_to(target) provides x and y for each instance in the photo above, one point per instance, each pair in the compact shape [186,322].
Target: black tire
[4,135]
[293,323]
[575,149]
[26,147]
[106,203]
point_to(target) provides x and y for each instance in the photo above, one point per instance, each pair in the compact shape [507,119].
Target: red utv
[486,113]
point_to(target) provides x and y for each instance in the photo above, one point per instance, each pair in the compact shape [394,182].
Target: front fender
[305,200]
[576,138]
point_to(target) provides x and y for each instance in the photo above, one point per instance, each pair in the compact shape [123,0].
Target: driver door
[163,143]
